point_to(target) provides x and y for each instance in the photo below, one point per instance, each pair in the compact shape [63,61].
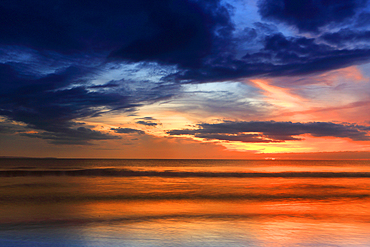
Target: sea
[163,203]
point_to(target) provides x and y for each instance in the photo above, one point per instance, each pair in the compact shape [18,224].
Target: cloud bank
[271,131]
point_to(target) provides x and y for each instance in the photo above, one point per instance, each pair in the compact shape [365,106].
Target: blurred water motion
[184,203]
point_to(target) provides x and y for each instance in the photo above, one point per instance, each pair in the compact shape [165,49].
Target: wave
[111,172]
[231,196]
[24,224]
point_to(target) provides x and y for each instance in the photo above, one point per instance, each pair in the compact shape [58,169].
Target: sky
[235,79]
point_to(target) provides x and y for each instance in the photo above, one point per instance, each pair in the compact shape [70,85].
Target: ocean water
[66,202]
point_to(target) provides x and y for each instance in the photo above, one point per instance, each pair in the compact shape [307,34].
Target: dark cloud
[265,28]
[363,20]
[108,85]
[147,118]
[297,56]
[68,136]
[309,15]
[254,138]
[42,100]
[127,131]
[195,36]
[147,123]
[45,104]
[7,127]
[280,56]
[69,26]
[273,131]
[346,37]
[178,32]
[185,33]
[53,102]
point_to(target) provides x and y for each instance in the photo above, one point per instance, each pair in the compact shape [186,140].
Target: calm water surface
[52,202]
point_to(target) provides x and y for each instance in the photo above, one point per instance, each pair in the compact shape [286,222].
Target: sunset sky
[243,79]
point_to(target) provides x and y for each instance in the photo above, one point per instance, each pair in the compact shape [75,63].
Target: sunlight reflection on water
[186,211]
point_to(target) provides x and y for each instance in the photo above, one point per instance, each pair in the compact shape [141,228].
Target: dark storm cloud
[273,131]
[127,131]
[309,15]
